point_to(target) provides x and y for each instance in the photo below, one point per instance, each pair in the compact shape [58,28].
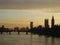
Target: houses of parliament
[54,31]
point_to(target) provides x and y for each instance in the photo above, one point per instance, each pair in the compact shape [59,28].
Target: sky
[21,12]
[29,4]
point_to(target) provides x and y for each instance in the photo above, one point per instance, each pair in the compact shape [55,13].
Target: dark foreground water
[23,39]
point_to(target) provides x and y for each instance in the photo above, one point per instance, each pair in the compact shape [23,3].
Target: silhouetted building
[31,25]
[2,29]
[46,23]
[16,29]
[52,22]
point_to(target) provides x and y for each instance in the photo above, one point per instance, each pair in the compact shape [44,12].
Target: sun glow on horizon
[22,18]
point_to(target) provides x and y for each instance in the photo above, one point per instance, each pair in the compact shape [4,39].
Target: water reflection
[46,41]
[52,40]
[49,40]
[30,39]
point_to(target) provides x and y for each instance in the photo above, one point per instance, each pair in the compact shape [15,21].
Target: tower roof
[52,17]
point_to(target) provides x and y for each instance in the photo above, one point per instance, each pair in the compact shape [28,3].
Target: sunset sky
[21,12]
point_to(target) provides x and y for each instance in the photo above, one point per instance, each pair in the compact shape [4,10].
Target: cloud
[51,10]
[28,4]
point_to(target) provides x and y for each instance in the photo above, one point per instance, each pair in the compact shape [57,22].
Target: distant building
[31,25]
[3,26]
[46,23]
[52,22]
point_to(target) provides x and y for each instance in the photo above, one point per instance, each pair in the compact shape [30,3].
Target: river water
[30,39]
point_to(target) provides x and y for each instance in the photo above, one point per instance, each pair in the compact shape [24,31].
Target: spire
[52,17]
[52,21]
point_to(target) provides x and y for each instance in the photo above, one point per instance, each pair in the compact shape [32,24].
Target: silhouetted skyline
[47,31]
[21,18]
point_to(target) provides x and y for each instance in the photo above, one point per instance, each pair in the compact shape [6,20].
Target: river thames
[30,39]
